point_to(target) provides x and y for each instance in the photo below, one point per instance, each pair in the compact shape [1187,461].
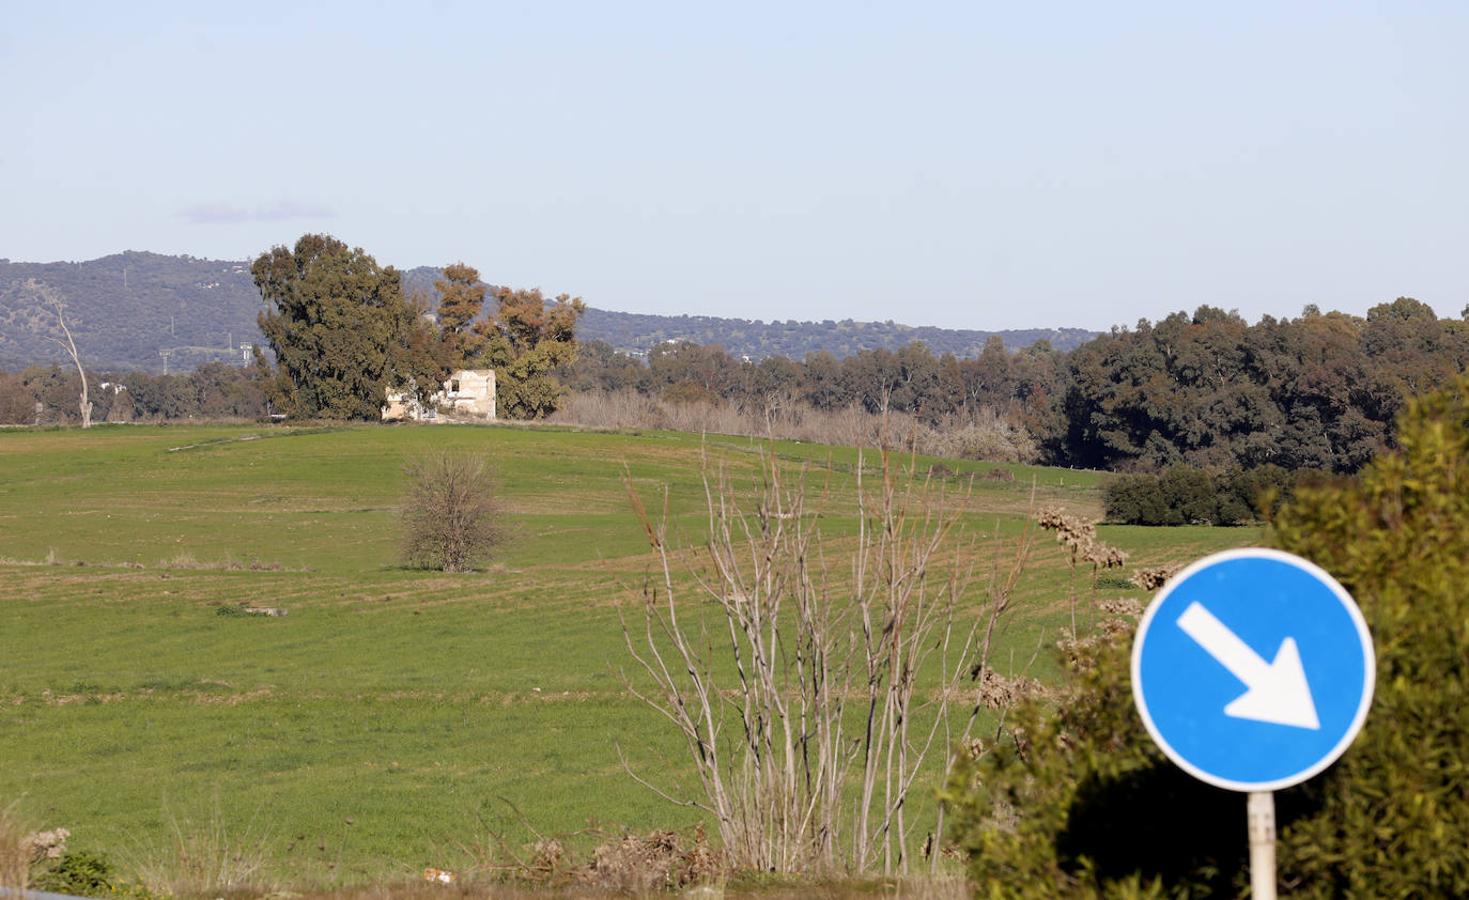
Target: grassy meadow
[395,718]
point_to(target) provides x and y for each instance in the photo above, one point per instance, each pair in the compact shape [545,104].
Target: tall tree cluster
[526,340]
[1320,391]
[341,330]
[343,334]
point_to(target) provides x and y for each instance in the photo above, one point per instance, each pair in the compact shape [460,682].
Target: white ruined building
[466,394]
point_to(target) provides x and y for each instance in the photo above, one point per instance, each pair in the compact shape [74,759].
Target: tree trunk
[84,402]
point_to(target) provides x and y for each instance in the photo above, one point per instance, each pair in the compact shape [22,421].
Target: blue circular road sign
[1253,669]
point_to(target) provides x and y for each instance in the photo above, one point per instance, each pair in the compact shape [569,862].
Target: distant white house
[466,394]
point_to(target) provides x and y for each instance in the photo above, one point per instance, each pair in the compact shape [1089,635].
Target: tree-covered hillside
[127,308]
[758,340]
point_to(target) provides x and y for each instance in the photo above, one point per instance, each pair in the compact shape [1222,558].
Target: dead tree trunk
[84,403]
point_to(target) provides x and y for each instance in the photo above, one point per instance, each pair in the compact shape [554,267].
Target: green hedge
[1184,495]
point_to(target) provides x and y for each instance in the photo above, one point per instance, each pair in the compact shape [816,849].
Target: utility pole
[165,354]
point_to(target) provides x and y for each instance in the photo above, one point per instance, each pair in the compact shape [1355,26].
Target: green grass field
[394,716]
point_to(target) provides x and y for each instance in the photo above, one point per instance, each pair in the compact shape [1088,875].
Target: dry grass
[209,860]
[987,435]
[188,562]
[180,561]
[15,850]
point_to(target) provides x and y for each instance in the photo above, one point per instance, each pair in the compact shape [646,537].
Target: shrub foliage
[1185,495]
[1075,798]
[451,512]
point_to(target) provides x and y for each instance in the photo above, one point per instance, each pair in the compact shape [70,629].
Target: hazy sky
[966,164]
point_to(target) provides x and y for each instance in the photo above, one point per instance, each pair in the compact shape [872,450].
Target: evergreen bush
[1072,797]
[1185,495]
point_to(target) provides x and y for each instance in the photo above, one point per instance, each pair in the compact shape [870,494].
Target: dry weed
[655,862]
[1079,536]
[22,850]
[1152,579]
[998,691]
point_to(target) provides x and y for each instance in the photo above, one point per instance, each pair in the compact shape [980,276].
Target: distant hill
[125,309]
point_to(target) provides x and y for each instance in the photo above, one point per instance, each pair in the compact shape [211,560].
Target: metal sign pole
[1261,816]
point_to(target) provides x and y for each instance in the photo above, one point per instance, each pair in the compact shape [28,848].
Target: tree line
[910,380]
[1207,390]
[47,395]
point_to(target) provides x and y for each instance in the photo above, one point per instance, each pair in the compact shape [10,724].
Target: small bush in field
[80,875]
[451,512]
[83,874]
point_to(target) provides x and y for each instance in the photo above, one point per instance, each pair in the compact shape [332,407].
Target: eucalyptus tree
[341,331]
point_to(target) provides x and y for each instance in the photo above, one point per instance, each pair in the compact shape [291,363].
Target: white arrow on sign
[1277,693]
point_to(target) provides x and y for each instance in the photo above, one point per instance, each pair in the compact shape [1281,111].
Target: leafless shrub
[792,787]
[451,512]
[987,434]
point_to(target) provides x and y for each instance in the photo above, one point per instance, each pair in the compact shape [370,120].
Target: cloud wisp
[230,214]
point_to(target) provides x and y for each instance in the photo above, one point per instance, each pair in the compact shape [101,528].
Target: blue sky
[965,164]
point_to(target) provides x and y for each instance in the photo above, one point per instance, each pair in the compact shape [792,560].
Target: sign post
[1261,820]
[1253,671]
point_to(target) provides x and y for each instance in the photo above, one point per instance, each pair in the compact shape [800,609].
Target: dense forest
[129,308]
[1320,391]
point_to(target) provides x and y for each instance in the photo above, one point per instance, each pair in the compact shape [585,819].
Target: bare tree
[451,512]
[807,728]
[53,300]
